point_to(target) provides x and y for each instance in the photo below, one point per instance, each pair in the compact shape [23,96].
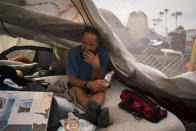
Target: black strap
[128,100]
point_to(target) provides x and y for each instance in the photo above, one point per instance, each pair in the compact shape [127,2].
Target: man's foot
[192,126]
[103,119]
[92,110]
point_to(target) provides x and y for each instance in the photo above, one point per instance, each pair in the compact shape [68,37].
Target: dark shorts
[86,89]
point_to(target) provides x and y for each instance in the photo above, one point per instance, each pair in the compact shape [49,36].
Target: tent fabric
[146,78]
[61,8]
[152,77]
[40,26]
[43,23]
[32,50]
[83,11]
[7,42]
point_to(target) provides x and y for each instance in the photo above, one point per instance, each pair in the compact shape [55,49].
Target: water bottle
[108,78]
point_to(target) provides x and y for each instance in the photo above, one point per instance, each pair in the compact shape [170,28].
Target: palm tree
[161,14]
[158,21]
[176,14]
[154,22]
[166,10]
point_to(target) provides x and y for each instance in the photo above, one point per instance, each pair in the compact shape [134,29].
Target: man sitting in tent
[87,65]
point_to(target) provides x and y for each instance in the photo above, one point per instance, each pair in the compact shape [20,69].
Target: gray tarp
[178,89]
[182,86]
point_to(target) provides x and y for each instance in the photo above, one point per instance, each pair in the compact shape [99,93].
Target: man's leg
[103,118]
[93,106]
[99,97]
[81,96]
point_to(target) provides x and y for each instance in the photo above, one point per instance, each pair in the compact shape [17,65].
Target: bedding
[122,120]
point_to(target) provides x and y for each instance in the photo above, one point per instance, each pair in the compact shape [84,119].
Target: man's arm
[76,82]
[94,86]
[98,74]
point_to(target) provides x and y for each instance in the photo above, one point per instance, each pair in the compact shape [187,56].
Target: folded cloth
[10,83]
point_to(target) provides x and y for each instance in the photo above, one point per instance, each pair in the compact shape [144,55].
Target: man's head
[90,40]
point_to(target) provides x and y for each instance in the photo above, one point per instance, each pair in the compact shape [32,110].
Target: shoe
[192,126]
[103,119]
[92,110]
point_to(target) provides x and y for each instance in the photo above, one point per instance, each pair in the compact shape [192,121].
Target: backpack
[141,106]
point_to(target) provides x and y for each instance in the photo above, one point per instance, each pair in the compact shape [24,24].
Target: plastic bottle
[108,78]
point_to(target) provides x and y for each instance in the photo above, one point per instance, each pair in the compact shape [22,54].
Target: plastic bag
[75,124]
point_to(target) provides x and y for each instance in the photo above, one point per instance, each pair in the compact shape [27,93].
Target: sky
[122,8]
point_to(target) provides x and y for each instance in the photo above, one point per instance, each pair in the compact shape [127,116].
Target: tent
[60,23]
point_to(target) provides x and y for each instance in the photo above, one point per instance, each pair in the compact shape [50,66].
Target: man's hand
[91,59]
[96,85]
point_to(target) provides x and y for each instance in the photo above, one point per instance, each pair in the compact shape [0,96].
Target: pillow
[8,62]
[27,69]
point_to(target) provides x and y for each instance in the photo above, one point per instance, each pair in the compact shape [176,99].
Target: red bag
[141,106]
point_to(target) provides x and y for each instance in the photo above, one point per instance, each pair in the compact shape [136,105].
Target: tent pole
[193,57]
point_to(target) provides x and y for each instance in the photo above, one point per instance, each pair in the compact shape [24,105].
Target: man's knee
[100,93]
[78,91]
